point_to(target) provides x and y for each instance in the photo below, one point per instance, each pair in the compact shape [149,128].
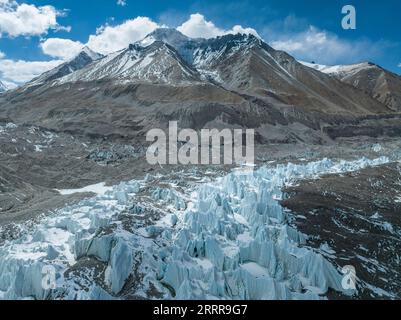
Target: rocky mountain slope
[245,64]
[231,81]
[379,83]
[156,63]
[85,57]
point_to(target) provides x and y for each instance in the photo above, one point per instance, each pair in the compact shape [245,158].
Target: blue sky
[36,37]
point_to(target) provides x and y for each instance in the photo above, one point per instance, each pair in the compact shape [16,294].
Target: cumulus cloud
[20,71]
[2,55]
[112,38]
[61,48]
[325,47]
[198,27]
[240,29]
[26,19]
[399,65]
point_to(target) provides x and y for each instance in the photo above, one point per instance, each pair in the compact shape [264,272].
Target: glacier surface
[226,239]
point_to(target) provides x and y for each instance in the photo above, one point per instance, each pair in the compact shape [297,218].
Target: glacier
[224,239]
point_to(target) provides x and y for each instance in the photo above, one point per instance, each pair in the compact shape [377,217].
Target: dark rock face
[79,62]
[85,57]
[358,216]
[379,83]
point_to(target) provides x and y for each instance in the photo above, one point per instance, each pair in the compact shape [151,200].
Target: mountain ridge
[379,83]
[157,62]
[239,62]
[230,81]
[82,59]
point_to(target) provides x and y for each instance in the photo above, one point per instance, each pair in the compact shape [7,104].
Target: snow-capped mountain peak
[241,62]
[379,83]
[157,63]
[165,56]
[340,70]
[162,56]
[91,54]
[167,35]
[184,45]
[223,46]
[190,48]
[81,60]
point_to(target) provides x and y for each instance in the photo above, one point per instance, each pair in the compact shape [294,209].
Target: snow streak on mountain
[85,57]
[381,84]
[3,88]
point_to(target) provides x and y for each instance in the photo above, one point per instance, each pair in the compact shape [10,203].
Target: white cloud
[325,47]
[27,20]
[61,48]
[239,29]
[20,71]
[122,3]
[112,38]
[2,55]
[399,65]
[198,27]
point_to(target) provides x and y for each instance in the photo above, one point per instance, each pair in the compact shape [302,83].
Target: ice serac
[59,241]
[229,239]
[235,243]
[121,263]
[379,83]
[85,57]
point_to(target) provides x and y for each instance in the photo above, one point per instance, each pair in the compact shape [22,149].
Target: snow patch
[98,188]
